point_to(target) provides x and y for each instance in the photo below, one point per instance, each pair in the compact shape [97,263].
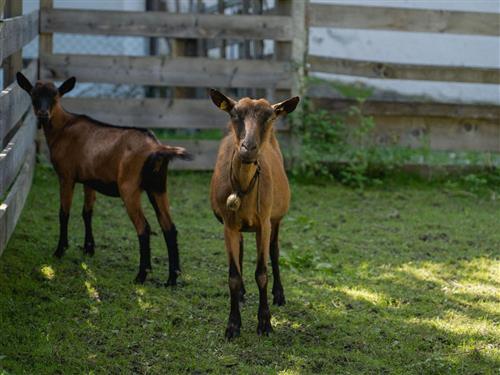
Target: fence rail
[167,25]
[16,32]
[403,19]
[385,70]
[169,71]
[14,102]
[17,123]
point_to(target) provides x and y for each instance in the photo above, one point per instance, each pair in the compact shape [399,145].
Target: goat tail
[172,152]
[154,170]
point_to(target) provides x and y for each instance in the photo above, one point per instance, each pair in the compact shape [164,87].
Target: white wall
[417,48]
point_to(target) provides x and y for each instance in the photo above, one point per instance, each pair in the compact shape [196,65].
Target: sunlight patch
[143,304]
[289,372]
[363,294]
[92,292]
[47,272]
[461,324]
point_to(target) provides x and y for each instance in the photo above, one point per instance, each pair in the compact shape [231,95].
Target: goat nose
[249,146]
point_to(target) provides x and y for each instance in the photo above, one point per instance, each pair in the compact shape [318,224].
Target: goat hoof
[58,253]
[88,248]
[141,277]
[232,330]
[242,296]
[264,326]
[172,281]
[279,299]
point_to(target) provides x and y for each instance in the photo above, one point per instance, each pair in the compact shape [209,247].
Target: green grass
[399,279]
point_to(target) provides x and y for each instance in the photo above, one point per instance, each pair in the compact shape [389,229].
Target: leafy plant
[339,144]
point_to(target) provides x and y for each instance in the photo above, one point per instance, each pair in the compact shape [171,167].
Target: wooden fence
[17,123]
[278,76]
[412,121]
[187,71]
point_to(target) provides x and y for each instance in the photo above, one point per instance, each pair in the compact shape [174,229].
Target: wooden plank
[164,24]
[14,102]
[167,71]
[383,70]
[45,42]
[150,113]
[413,108]
[14,62]
[203,151]
[12,206]
[300,44]
[282,49]
[399,19]
[16,32]
[12,156]
[438,133]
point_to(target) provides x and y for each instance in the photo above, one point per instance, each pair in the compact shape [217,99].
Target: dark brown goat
[250,193]
[115,161]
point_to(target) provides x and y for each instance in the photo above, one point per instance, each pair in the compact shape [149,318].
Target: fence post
[184,47]
[296,50]
[295,53]
[45,39]
[14,62]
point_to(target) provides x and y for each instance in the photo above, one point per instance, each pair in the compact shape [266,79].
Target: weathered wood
[14,102]
[152,112]
[203,151]
[282,49]
[16,32]
[45,41]
[395,104]
[413,108]
[399,19]
[299,44]
[166,71]
[438,133]
[164,24]
[372,69]
[11,208]
[12,156]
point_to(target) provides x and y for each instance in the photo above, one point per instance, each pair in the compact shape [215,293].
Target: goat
[113,160]
[250,193]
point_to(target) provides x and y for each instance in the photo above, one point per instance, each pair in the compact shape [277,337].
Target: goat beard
[43,121]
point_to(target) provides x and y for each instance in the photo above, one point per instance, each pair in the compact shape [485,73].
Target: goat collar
[233,202]
[235,184]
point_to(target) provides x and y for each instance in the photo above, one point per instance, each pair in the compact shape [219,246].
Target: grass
[399,279]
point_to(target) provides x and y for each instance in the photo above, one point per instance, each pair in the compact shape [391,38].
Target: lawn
[403,278]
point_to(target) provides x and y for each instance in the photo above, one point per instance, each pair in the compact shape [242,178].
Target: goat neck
[57,122]
[242,173]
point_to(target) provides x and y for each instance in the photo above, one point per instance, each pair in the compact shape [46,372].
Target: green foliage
[342,144]
[402,279]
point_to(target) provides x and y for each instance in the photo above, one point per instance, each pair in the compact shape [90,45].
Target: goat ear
[222,101]
[67,86]
[286,106]
[24,82]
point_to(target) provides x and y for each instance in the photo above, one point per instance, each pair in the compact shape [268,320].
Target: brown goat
[250,193]
[115,161]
